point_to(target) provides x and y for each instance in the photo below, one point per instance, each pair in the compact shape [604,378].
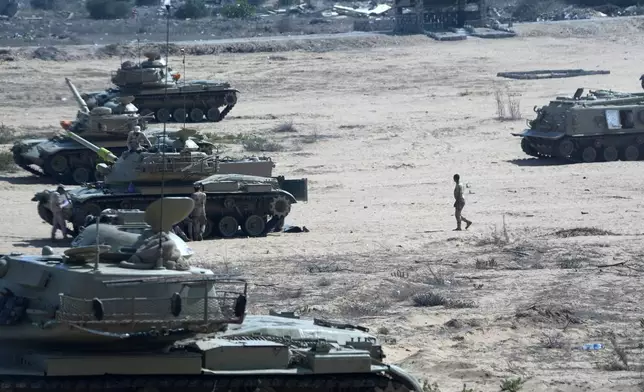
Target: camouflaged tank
[604,125]
[148,321]
[240,193]
[164,96]
[69,162]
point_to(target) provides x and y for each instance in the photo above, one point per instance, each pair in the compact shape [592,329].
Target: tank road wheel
[163,115]
[589,154]
[227,226]
[631,153]
[180,115]
[565,148]
[81,175]
[213,114]
[528,149]
[196,115]
[58,164]
[280,206]
[254,226]
[610,154]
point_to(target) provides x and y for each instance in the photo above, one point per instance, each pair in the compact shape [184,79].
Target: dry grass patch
[7,164]
[582,231]
[508,106]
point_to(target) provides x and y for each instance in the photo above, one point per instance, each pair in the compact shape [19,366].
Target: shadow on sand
[536,162]
[41,242]
[26,180]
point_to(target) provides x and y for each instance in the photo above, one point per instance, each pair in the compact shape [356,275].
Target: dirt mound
[50,53]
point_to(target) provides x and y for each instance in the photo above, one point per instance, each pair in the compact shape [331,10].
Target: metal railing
[214,307]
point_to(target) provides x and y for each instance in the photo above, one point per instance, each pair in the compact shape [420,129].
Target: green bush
[240,10]
[44,4]
[109,9]
[191,9]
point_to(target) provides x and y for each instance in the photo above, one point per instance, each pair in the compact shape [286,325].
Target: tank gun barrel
[102,152]
[81,102]
[616,101]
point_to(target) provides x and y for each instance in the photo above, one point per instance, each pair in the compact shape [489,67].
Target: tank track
[203,100]
[204,383]
[76,159]
[605,148]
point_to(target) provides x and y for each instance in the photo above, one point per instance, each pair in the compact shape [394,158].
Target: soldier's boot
[468,223]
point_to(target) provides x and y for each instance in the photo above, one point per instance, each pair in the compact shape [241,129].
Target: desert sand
[379,134]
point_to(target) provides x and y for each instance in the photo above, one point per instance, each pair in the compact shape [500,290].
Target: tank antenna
[166,3]
[185,114]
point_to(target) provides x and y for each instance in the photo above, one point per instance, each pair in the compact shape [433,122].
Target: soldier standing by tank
[135,140]
[459,204]
[57,201]
[198,215]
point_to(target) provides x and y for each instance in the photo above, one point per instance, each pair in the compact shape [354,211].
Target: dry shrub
[508,106]
[6,162]
[499,237]
[362,308]
[430,299]
[486,264]
[286,127]
[7,134]
[260,144]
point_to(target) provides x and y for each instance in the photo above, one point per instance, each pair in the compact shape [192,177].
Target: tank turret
[117,116]
[148,167]
[149,73]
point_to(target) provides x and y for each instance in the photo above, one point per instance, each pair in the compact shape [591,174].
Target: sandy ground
[391,126]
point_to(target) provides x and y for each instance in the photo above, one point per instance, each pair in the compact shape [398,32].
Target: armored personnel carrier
[148,321]
[69,162]
[235,198]
[601,126]
[148,83]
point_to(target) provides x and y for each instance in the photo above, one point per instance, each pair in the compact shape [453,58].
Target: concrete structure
[419,16]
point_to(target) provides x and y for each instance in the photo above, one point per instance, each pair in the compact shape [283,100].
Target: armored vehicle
[234,198]
[164,96]
[601,126]
[69,162]
[148,321]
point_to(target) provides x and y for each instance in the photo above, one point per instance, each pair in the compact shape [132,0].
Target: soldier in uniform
[57,201]
[459,204]
[198,215]
[136,140]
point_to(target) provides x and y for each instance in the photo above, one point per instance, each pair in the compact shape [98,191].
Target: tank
[145,324]
[69,162]
[148,83]
[604,125]
[234,199]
